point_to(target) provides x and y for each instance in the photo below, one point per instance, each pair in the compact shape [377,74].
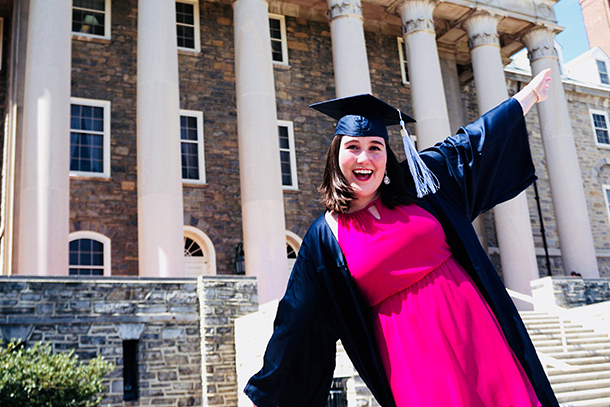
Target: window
[91,18]
[89,254]
[191,147]
[187,25]
[402,56]
[607,199]
[130,370]
[199,253]
[89,138]
[279,45]
[599,120]
[287,155]
[603,72]
[1,39]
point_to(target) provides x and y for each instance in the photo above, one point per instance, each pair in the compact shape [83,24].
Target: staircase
[576,359]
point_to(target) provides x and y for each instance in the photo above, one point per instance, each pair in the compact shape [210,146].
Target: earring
[386,179]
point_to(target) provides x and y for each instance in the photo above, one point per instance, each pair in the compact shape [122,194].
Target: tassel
[425,181]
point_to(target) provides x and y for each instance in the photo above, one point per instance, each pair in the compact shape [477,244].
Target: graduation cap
[365,115]
[362,115]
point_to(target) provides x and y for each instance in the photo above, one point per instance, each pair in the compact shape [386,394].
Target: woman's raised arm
[535,91]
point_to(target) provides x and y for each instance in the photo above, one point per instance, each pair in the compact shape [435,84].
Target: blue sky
[573,38]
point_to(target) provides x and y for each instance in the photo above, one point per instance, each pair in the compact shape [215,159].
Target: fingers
[540,85]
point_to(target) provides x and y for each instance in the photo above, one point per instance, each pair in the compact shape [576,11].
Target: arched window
[199,253]
[89,254]
[293,244]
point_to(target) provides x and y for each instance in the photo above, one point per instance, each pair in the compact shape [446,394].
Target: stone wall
[576,292]
[94,316]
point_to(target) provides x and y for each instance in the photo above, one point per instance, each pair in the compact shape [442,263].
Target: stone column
[259,157]
[427,93]
[571,214]
[45,162]
[513,227]
[160,218]
[349,50]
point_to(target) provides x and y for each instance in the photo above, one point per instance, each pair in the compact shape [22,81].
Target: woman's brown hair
[337,194]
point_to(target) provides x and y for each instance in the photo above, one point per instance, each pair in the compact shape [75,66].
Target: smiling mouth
[362,174]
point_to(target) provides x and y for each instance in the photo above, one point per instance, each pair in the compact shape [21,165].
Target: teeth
[363,172]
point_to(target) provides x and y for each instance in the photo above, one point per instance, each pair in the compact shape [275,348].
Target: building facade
[160,139]
[174,134]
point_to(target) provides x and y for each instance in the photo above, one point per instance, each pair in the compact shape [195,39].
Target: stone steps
[587,383]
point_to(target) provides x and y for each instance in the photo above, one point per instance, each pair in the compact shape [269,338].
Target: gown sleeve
[486,163]
[300,358]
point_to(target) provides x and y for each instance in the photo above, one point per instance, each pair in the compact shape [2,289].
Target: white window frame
[292,152]
[103,239]
[105,104]
[107,22]
[197,33]
[403,60]
[200,146]
[283,40]
[605,72]
[601,113]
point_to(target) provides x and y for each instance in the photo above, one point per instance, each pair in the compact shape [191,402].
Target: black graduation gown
[486,163]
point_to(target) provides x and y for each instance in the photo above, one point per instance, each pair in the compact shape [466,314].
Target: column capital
[540,42]
[482,29]
[344,8]
[417,15]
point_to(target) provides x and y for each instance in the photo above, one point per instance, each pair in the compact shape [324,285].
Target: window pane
[284,143]
[404,57]
[599,121]
[290,253]
[191,248]
[90,4]
[86,252]
[88,22]
[185,28]
[285,168]
[274,24]
[186,37]
[185,13]
[190,160]
[86,152]
[602,136]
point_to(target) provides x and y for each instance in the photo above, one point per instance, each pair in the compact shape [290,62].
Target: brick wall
[89,316]
[106,70]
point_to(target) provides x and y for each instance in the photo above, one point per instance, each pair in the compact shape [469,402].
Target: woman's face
[362,161]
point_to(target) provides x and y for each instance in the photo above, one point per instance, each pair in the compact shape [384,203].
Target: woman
[404,282]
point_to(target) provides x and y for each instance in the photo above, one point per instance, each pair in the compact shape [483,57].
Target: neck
[361,203]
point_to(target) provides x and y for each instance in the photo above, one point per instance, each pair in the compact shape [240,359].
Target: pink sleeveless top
[376,253]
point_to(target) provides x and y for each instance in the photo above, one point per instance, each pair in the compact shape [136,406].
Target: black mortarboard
[362,115]
[365,115]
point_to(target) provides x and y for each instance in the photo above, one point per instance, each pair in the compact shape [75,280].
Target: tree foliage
[36,377]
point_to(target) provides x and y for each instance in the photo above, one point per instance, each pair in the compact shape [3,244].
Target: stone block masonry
[184,329]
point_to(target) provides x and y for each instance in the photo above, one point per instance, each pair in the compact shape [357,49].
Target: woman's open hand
[536,91]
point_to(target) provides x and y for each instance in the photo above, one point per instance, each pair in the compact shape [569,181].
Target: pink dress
[439,341]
